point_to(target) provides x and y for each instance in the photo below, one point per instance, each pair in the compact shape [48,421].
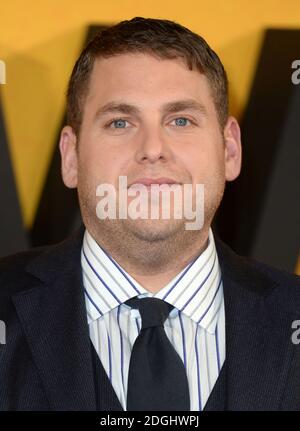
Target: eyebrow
[168,108]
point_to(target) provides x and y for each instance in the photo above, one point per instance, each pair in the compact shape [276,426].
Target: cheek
[205,164]
[98,167]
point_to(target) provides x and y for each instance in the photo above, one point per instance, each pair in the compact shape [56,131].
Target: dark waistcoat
[107,400]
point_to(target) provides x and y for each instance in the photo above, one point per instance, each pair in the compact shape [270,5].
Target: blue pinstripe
[115,335]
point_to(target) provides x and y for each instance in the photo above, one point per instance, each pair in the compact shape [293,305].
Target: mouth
[149,181]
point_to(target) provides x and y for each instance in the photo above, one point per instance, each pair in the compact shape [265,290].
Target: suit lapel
[53,315]
[259,350]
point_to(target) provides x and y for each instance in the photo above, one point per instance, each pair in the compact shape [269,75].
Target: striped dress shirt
[195,326]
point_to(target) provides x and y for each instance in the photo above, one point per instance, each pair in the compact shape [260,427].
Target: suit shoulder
[18,271]
[13,275]
[16,262]
[249,265]
[261,278]
[281,276]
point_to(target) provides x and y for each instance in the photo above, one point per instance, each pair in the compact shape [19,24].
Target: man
[147,102]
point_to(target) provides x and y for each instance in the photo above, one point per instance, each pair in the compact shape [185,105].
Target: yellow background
[40,40]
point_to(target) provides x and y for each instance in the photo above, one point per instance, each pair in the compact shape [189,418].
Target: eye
[118,123]
[181,121]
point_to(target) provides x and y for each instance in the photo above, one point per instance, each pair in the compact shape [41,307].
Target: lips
[148,181]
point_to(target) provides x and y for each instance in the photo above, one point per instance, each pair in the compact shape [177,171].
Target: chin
[154,230]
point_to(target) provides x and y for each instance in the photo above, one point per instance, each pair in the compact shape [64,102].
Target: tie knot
[153,311]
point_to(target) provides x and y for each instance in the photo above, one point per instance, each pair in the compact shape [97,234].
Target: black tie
[156,379]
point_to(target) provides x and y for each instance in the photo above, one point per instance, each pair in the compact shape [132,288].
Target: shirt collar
[196,291]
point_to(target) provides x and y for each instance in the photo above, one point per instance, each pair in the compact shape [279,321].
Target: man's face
[148,118]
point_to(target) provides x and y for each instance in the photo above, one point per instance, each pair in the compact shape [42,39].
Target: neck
[154,264]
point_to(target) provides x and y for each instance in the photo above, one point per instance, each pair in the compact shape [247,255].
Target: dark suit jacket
[46,363]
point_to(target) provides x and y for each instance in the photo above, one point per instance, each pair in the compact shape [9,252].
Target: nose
[152,146]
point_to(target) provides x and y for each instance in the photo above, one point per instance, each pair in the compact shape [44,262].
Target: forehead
[134,74]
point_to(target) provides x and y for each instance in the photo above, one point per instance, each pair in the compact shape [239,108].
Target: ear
[233,149]
[69,157]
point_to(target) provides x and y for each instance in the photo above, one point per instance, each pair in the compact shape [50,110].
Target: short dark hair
[161,38]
